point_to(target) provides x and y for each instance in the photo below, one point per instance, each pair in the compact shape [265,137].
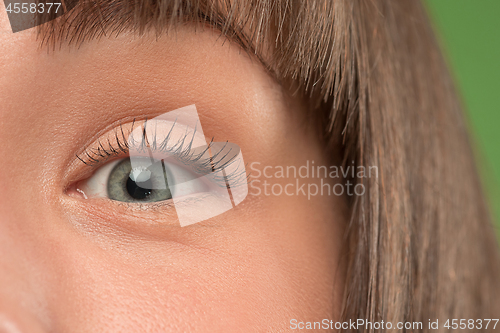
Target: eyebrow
[87,20]
[246,23]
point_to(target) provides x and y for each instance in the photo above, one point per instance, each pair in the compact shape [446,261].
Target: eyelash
[183,153]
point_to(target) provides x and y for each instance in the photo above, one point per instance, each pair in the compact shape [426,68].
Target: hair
[420,242]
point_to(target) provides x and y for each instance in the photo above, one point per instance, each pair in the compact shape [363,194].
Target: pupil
[139,190]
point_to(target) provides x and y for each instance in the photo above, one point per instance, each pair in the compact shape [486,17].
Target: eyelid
[171,141]
[104,148]
[178,134]
[165,139]
[117,142]
[111,144]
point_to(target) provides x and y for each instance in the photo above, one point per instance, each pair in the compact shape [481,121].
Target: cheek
[269,260]
[260,274]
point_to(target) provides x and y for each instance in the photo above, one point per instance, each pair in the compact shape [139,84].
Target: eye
[168,161]
[141,180]
[129,184]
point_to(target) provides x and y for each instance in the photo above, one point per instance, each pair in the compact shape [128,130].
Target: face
[70,262]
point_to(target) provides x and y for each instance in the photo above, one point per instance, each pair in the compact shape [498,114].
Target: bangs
[302,43]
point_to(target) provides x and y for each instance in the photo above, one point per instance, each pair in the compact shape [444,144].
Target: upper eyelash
[184,153]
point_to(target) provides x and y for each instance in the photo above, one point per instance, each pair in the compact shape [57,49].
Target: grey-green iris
[142,182]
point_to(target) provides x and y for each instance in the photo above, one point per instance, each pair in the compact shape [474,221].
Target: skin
[73,265]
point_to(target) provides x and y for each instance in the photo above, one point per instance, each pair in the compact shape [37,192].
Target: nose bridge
[22,299]
[14,320]
[21,295]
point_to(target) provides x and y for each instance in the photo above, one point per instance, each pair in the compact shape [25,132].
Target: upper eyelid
[97,153]
[115,143]
[79,24]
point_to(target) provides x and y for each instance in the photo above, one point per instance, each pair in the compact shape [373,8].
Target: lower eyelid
[104,221]
[146,206]
[161,212]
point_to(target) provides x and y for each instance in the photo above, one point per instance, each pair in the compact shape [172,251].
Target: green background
[469,32]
